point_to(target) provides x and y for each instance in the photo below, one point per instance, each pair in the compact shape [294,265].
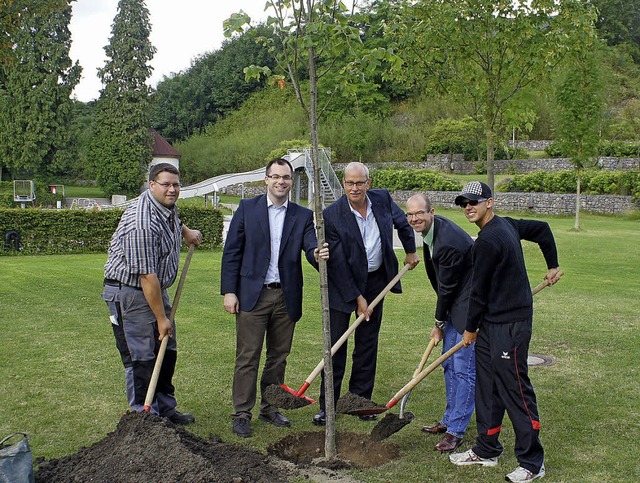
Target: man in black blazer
[447,258]
[261,280]
[359,229]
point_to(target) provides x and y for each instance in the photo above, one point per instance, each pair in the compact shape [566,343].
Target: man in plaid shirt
[142,264]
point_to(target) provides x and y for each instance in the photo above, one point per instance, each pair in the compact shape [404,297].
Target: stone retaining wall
[538,203]
[531,145]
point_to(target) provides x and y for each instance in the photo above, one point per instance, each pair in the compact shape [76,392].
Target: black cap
[474,190]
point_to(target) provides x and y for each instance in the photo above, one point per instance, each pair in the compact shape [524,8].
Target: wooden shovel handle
[351,329]
[543,284]
[424,373]
[151,391]
[425,356]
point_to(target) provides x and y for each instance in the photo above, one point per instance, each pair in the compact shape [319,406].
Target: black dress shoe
[448,443]
[276,419]
[320,419]
[242,427]
[368,417]
[435,429]
[181,418]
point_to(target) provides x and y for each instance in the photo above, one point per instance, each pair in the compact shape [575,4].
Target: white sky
[181,31]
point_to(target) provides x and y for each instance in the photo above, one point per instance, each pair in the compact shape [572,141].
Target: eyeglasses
[277,177]
[358,184]
[416,214]
[167,185]
[464,204]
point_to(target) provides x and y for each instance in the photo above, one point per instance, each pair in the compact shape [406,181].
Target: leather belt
[273,285]
[117,283]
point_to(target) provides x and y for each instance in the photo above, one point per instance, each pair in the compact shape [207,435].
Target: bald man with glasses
[447,259]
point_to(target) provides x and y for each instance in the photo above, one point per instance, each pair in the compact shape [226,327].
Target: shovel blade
[368,411]
[295,392]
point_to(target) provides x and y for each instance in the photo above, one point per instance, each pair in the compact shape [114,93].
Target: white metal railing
[329,182]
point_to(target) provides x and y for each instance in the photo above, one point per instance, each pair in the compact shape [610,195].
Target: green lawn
[62,381]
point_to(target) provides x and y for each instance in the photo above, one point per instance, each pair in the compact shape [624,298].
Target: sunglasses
[464,204]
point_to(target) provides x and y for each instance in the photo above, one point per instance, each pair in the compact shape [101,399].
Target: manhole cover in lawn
[540,360]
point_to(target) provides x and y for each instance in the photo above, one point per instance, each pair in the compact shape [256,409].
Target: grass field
[62,381]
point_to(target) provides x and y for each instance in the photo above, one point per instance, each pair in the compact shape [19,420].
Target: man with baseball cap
[499,321]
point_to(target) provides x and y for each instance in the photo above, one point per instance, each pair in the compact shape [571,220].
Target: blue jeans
[460,383]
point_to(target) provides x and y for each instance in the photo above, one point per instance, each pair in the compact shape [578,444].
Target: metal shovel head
[390,424]
[368,411]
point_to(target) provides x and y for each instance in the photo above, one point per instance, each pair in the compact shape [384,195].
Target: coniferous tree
[121,146]
[37,77]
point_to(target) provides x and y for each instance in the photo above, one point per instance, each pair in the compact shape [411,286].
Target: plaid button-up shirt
[147,240]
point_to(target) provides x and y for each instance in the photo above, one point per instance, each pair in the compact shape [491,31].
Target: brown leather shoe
[448,443]
[437,429]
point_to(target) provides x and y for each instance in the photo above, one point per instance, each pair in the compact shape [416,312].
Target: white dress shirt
[276,223]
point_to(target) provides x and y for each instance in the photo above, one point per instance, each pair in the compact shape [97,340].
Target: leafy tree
[35,87]
[13,14]
[580,106]
[487,54]
[213,86]
[618,23]
[121,145]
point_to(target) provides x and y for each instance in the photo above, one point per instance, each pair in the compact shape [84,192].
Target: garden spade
[151,391]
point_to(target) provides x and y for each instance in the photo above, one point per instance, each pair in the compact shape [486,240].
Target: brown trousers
[270,322]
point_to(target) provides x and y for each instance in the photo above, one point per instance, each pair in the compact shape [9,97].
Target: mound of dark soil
[350,403]
[354,450]
[283,399]
[146,448]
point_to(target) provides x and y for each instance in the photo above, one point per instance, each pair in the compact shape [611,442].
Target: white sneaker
[523,475]
[470,458]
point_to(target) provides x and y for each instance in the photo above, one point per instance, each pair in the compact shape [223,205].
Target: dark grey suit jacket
[347,265]
[451,278]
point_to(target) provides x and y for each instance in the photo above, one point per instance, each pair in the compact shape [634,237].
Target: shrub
[592,182]
[455,136]
[284,146]
[619,149]
[413,180]
[629,184]
[50,232]
[553,150]
[612,149]
[600,183]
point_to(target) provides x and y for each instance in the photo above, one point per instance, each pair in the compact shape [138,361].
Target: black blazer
[247,252]
[347,264]
[451,280]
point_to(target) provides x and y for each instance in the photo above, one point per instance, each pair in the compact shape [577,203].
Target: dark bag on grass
[16,463]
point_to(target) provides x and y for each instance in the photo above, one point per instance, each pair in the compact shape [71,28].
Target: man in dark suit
[261,280]
[447,258]
[359,230]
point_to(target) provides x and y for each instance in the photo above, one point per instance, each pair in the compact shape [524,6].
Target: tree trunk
[330,411]
[490,159]
[576,225]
